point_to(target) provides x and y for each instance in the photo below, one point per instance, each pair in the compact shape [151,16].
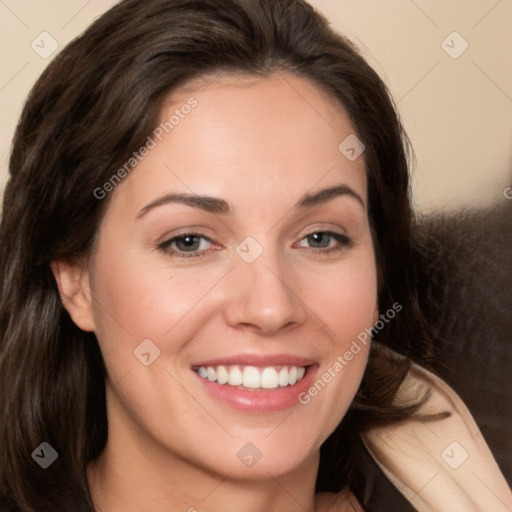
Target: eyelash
[343,242]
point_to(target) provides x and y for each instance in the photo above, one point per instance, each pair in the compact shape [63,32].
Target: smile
[256,383]
[252,377]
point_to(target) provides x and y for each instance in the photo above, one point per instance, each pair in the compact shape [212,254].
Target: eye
[325,241]
[187,245]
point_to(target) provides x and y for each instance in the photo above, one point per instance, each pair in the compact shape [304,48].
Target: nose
[264,297]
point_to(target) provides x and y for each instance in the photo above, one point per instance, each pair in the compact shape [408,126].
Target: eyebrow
[327,194]
[222,207]
[205,203]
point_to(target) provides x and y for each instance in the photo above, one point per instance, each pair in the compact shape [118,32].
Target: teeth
[269,378]
[222,375]
[292,375]
[283,377]
[211,374]
[253,377]
[235,377]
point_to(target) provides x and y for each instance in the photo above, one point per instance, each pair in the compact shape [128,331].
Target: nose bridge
[263,295]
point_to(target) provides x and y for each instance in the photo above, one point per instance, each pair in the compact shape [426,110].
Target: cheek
[345,298]
[346,303]
[135,299]
[354,306]
[353,312]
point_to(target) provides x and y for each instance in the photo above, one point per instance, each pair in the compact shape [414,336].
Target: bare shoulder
[343,501]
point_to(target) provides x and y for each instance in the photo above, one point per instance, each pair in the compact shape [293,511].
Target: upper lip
[257,360]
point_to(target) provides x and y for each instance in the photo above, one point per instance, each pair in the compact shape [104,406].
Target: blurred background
[447,63]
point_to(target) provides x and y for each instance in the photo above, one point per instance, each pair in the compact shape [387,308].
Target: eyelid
[324,229]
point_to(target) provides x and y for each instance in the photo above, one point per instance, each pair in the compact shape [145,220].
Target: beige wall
[457,111]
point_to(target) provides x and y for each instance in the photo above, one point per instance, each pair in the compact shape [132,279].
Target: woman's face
[237,250]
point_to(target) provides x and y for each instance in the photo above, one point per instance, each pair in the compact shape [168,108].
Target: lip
[259,401]
[258,360]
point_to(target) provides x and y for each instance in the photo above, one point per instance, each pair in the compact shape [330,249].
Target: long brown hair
[92,107]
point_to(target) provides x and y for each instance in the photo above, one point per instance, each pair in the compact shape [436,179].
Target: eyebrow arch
[222,207]
[327,194]
[205,203]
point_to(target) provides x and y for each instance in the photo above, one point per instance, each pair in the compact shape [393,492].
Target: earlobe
[74,290]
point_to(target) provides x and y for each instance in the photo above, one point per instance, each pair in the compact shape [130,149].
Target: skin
[260,144]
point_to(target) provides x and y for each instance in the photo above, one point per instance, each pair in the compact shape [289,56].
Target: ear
[75,292]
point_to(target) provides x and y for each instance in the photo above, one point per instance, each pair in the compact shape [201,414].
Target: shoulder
[438,459]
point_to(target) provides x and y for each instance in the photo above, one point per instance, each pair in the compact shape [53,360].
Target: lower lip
[260,400]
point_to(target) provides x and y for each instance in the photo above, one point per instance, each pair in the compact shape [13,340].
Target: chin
[262,456]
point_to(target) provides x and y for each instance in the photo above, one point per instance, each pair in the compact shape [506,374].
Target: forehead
[248,138]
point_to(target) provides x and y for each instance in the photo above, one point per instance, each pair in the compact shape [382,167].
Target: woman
[206,224]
